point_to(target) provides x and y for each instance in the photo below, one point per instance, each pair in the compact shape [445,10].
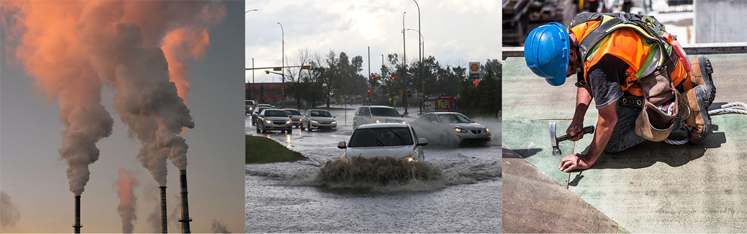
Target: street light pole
[420,52]
[252,79]
[404,64]
[282,65]
[253,83]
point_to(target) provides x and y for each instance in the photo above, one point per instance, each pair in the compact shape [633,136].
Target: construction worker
[627,70]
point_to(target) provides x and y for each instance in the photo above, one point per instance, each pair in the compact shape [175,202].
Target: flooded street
[286,197]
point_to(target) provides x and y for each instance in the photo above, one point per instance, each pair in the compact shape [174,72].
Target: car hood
[277,118]
[322,118]
[388,119]
[381,151]
[469,125]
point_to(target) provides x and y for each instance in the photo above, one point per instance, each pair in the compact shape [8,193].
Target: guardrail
[692,49]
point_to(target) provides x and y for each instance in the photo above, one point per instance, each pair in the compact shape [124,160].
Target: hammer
[555,140]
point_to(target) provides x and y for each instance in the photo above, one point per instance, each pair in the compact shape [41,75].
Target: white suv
[376,114]
[395,140]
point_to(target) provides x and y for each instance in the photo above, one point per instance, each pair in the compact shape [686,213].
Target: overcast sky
[33,175]
[455,32]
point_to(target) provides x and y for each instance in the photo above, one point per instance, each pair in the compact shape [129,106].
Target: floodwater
[288,197]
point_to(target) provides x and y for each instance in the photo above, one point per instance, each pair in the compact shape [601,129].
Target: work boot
[698,121]
[700,75]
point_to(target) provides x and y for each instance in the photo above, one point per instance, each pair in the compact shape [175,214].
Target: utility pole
[282,65]
[420,53]
[252,91]
[369,73]
[404,63]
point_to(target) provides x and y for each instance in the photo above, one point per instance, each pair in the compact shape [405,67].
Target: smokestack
[77,214]
[164,226]
[185,207]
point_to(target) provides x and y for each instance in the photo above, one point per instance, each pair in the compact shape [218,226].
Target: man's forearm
[605,126]
[583,98]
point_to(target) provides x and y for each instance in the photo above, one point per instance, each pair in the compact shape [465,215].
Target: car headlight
[460,130]
[403,121]
[314,121]
[268,121]
[300,120]
[487,129]
[377,121]
[334,122]
[288,122]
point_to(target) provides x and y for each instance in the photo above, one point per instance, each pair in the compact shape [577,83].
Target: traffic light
[401,93]
[369,93]
[373,77]
[394,78]
[282,91]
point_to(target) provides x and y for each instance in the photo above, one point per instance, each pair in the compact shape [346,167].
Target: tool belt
[630,101]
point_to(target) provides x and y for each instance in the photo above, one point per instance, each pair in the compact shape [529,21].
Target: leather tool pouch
[652,123]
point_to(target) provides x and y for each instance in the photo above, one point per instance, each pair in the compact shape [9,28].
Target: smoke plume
[150,193]
[9,213]
[43,38]
[127,202]
[138,48]
[219,227]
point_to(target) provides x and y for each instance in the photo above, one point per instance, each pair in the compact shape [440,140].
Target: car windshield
[248,102]
[320,114]
[375,111]
[453,118]
[292,112]
[275,113]
[259,110]
[372,137]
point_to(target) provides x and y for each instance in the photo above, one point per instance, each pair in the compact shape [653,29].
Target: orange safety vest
[627,45]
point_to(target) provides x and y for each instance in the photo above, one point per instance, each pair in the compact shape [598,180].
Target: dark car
[274,119]
[249,106]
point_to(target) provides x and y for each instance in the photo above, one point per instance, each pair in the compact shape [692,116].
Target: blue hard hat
[546,52]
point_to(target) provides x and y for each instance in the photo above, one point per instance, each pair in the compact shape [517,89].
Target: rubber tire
[257,127]
[264,130]
[289,131]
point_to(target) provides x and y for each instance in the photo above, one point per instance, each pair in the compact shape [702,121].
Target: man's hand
[575,130]
[573,162]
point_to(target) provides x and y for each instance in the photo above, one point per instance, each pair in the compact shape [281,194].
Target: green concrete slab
[529,192]
[652,187]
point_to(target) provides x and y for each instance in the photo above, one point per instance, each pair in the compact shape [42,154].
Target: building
[269,92]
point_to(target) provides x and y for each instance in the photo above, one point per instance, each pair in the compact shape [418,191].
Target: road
[285,197]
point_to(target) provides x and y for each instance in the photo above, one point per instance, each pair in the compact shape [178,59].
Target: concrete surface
[652,187]
[720,21]
[529,192]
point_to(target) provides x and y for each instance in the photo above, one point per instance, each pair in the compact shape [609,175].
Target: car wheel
[290,131]
[257,128]
[264,130]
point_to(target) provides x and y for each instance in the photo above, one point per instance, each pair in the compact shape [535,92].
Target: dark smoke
[219,227]
[9,213]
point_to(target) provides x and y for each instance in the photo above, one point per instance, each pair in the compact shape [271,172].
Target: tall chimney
[77,214]
[164,226]
[185,207]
